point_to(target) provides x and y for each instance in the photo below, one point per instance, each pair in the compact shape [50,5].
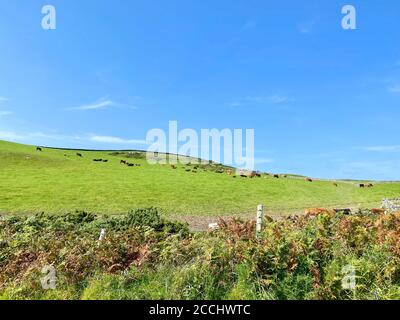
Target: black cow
[39,149]
[79,154]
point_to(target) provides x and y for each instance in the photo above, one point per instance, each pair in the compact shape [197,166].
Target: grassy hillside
[33,181]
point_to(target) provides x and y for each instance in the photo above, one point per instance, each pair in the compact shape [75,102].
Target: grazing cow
[38,149]
[276,176]
[378,211]
[105,160]
[308,180]
[346,212]
[254,174]
[335,184]
[97,160]
[173,166]
[243,176]
[313,212]
[362,185]
[130,165]
[79,154]
[370,185]
[123,162]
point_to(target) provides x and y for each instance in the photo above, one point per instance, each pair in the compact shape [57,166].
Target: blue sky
[323,101]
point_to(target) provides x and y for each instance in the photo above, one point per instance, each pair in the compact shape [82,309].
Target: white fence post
[260,218]
[102,234]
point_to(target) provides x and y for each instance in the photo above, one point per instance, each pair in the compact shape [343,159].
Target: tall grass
[143,256]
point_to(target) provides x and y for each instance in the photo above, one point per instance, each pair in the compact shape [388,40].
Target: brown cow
[79,154]
[335,184]
[308,180]
[123,162]
[378,211]
[313,212]
[173,166]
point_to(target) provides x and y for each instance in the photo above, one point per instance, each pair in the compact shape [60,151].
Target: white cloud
[394,89]
[263,160]
[11,136]
[234,104]
[306,27]
[2,99]
[273,99]
[250,24]
[102,103]
[395,148]
[115,140]
[5,113]
[34,136]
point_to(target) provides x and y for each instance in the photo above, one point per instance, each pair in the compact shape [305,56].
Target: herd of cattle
[129,164]
[314,212]
[230,172]
[80,155]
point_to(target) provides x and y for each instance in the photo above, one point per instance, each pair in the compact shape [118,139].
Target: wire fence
[324,205]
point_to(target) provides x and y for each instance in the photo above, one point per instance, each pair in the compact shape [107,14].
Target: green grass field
[33,181]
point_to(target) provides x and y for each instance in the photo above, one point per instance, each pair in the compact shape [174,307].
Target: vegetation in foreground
[59,181]
[143,256]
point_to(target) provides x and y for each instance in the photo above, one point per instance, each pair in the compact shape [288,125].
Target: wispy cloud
[275,99]
[40,137]
[263,160]
[380,170]
[394,148]
[306,27]
[115,140]
[272,99]
[2,99]
[5,113]
[102,103]
[250,24]
[234,104]
[12,136]
[394,89]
